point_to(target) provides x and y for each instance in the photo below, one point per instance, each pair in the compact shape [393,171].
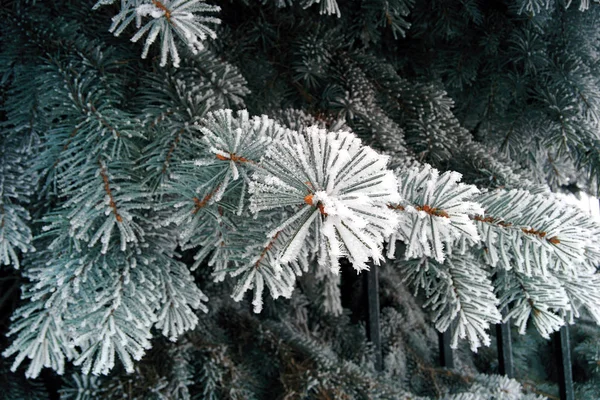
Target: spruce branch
[458,291]
[169,19]
[15,233]
[533,233]
[334,184]
[434,212]
[540,298]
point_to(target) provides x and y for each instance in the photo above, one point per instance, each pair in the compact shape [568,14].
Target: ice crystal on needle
[435,210]
[169,19]
[334,183]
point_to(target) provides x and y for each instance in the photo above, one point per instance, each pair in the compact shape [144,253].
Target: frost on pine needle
[180,298]
[80,386]
[328,7]
[133,184]
[549,256]
[15,234]
[332,296]
[331,181]
[104,204]
[183,19]
[237,142]
[458,291]
[259,267]
[534,233]
[121,296]
[549,300]
[434,212]
[40,338]
[215,79]
[494,387]
[583,291]
[529,299]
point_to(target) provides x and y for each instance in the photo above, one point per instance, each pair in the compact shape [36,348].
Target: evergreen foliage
[280,145]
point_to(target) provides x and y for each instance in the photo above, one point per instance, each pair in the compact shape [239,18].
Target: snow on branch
[434,212]
[184,19]
[549,301]
[534,233]
[334,184]
[236,143]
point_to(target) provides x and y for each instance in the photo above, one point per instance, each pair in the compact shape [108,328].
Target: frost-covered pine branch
[290,145]
[183,19]
[336,184]
[460,294]
[15,232]
[435,212]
